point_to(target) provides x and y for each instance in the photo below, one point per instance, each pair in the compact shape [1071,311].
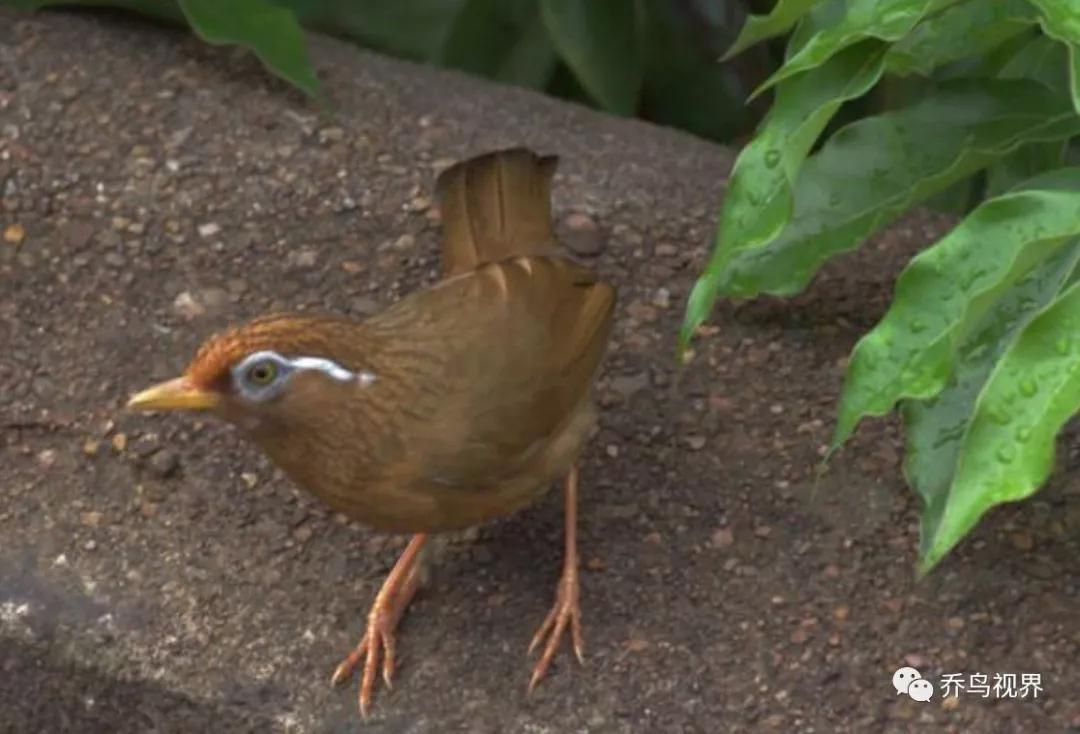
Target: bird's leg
[565,611]
[386,610]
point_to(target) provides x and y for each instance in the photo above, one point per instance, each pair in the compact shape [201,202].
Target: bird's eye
[262,373]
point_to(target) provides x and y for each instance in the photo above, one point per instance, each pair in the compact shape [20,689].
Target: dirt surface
[157,575]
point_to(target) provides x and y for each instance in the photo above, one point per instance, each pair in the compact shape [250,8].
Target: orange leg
[390,602]
[565,611]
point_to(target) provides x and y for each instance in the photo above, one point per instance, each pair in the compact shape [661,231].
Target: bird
[460,403]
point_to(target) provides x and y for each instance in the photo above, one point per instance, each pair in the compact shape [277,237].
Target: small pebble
[1023,541]
[119,442]
[186,306]
[209,229]
[91,519]
[331,135]
[722,538]
[306,258]
[583,236]
[629,385]
[164,463]
[14,234]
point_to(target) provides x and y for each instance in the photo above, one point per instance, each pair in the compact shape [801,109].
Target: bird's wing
[520,341]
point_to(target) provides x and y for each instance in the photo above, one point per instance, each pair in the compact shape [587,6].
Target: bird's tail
[495,206]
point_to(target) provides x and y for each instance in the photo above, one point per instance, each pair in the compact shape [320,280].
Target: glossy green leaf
[935,428]
[784,15]
[598,41]
[943,291]
[1008,450]
[758,204]
[501,40]
[969,29]
[1060,19]
[875,169]
[268,30]
[885,20]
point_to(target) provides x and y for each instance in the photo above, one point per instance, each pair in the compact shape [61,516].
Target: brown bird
[458,404]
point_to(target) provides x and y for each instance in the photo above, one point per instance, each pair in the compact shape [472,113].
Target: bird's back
[501,354]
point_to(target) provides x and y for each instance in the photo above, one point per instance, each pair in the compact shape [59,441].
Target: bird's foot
[379,640]
[379,637]
[564,613]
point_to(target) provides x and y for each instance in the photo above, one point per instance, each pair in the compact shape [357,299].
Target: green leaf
[970,29]
[506,41]
[885,20]
[873,170]
[759,199]
[1022,164]
[943,291]
[784,15]
[598,41]
[271,32]
[682,84]
[1061,21]
[935,429]
[1008,450]
[413,30]
[1040,59]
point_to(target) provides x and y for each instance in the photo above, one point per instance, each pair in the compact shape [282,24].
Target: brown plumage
[460,403]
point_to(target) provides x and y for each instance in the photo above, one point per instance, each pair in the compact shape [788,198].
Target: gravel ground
[157,575]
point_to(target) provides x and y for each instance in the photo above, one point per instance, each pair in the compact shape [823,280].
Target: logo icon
[910,681]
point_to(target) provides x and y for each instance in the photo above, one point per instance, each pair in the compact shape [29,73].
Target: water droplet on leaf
[1028,387]
[1023,433]
[772,157]
[1006,454]
[1062,346]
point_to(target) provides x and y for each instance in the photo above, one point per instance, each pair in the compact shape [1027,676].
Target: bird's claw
[564,613]
[379,637]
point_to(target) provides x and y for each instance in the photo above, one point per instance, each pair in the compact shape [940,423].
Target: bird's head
[275,372]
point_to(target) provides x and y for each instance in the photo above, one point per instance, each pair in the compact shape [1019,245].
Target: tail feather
[496,206]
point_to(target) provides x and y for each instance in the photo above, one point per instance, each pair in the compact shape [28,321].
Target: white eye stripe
[328,367]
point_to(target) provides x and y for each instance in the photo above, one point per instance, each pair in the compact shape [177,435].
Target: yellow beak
[175,394]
